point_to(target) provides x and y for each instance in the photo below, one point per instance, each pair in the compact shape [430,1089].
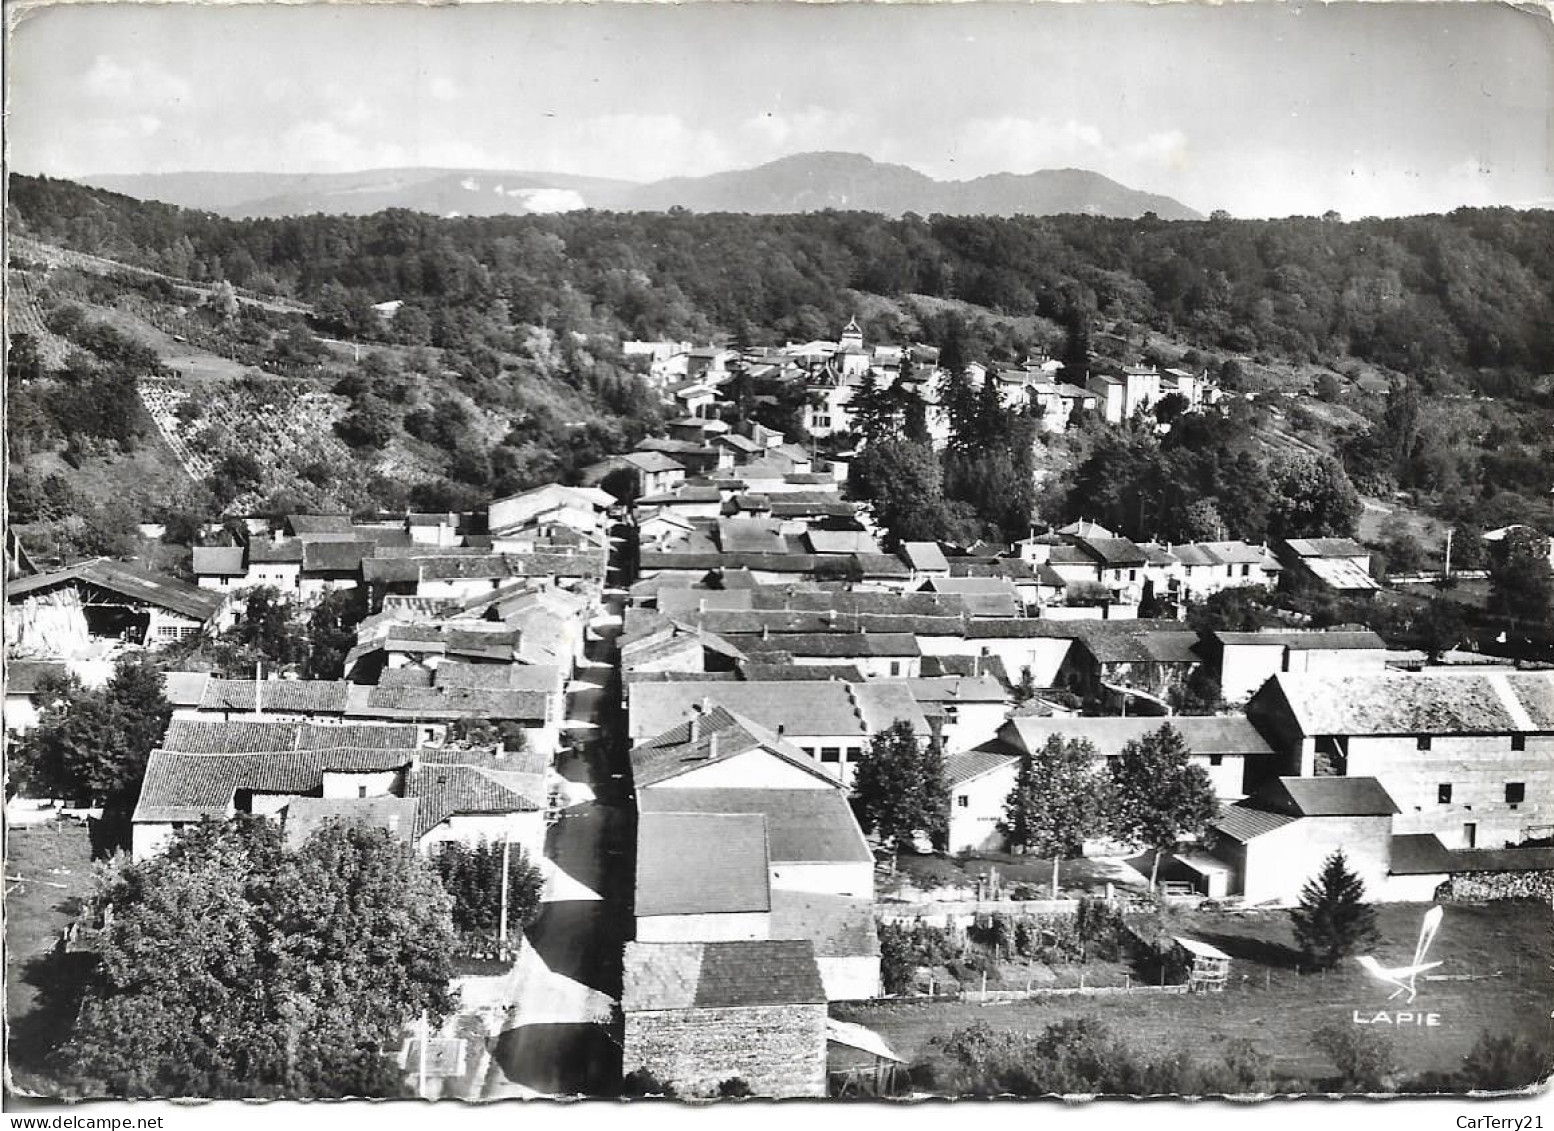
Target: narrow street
[561,1037]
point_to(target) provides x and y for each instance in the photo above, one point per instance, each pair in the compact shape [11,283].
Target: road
[560,1037]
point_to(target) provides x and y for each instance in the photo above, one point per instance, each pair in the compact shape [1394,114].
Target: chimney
[712,746]
[782,729]
[695,727]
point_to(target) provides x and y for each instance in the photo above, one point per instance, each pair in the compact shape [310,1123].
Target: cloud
[1023,145]
[139,83]
[444,89]
[775,134]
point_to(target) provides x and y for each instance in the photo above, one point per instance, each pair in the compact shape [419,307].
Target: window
[361,791]
[1518,742]
[1216,759]
[963,801]
[1424,742]
[1443,794]
[1133,575]
[852,753]
[830,753]
[1515,792]
[1246,571]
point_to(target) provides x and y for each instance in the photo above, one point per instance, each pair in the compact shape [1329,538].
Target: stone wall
[780,1050]
[1478,887]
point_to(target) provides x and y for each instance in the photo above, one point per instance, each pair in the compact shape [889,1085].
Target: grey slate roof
[293,696]
[809,826]
[1327,797]
[1409,703]
[701,864]
[1204,734]
[218,561]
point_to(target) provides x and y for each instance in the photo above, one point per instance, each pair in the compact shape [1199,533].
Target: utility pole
[1446,570]
[421,1075]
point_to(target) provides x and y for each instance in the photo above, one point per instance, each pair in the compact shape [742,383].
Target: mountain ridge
[803,182]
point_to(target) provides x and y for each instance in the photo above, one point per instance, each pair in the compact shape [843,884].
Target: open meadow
[1495,976]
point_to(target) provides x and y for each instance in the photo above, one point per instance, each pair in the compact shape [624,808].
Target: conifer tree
[1333,919]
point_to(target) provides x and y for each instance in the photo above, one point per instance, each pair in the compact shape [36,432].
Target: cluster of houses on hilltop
[694,380]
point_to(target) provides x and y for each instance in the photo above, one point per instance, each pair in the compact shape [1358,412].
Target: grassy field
[48,873]
[1504,948]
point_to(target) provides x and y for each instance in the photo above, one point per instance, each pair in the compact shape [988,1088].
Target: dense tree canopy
[233,968]
[1157,794]
[899,791]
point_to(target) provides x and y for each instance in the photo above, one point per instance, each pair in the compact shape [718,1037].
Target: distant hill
[807,182]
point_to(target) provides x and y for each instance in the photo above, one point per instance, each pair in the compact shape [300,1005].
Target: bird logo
[1405,977]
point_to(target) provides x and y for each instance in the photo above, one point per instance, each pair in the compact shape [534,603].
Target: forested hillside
[1419,351]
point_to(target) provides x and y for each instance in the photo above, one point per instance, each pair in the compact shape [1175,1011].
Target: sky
[1262,109]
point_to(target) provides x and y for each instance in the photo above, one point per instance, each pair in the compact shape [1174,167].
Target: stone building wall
[779,1050]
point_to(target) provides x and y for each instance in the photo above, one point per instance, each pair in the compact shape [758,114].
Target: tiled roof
[335,557]
[958,689]
[141,585]
[706,738]
[262,551]
[306,815]
[443,702]
[1407,703]
[842,542]
[1312,641]
[1242,822]
[924,555]
[293,696]
[1139,642]
[1340,573]
[881,704]
[1114,552]
[803,826]
[186,787]
[833,644]
[1327,548]
[318,523]
[971,764]
[701,864]
[218,561]
[766,672]
[720,975]
[882,565]
[199,736]
[443,791]
[984,596]
[1203,734]
[814,708]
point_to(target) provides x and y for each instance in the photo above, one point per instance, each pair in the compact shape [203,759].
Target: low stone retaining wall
[1479,887]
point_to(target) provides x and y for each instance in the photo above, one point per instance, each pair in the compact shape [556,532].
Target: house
[830,721]
[221,568]
[584,507]
[82,609]
[962,710]
[454,800]
[274,564]
[697,1014]
[329,565]
[1467,757]
[1135,390]
[1230,750]
[984,596]
[687,892]
[820,875]
[925,559]
[1341,564]
[1247,660]
[716,748]
[26,680]
[1278,839]
[877,655]
[1133,660]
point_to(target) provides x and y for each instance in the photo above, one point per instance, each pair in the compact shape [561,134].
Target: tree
[233,968]
[904,484]
[1440,626]
[1312,498]
[1520,582]
[473,877]
[94,745]
[332,632]
[1157,795]
[1055,802]
[899,791]
[1333,920]
[268,630]
[1365,1058]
